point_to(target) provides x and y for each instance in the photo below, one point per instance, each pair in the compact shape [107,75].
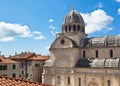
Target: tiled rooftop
[37,57]
[29,56]
[5,81]
[6,60]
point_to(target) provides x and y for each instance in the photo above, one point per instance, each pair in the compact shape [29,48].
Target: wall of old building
[10,71]
[82,76]
[37,69]
[102,52]
[69,56]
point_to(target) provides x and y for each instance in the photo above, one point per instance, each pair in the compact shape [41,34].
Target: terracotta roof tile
[22,56]
[6,60]
[39,57]
[5,81]
[29,56]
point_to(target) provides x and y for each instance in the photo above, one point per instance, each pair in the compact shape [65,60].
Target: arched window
[84,54]
[79,82]
[68,80]
[109,83]
[74,27]
[96,53]
[111,53]
[78,27]
[58,79]
[69,28]
[65,28]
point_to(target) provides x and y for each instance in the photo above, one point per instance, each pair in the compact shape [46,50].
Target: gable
[62,42]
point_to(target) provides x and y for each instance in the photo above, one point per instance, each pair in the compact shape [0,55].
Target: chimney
[15,53]
[3,56]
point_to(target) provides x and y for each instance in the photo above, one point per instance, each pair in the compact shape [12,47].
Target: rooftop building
[30,65]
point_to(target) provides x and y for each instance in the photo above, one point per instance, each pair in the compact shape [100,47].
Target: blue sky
[30,25]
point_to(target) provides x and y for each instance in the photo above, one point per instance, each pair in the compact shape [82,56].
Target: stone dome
[73,22]
[73,17]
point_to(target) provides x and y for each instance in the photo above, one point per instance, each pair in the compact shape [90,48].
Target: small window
[58,79]
[84,54]
[65,28]
[79,82]
[62,41]
[78,27]
[37,65]
[20,75]
[69,28]
[14,66]
[3,67]
[111,53]
[14,75]
[0,67]
[109,83]
[74,27]
[96,53]
[22,72]
[68,80]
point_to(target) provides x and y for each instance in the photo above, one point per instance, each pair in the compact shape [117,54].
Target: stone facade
[9,68]
[76,60]
[30,65]
[81,76]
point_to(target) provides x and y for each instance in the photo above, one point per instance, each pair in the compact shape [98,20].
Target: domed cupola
[73,22]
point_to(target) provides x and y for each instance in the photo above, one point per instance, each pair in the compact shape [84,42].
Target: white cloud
[51,20]
[96,21]
[118,1]
[9,31]
[6,39]
[52,27]
[36,32]
[39,37]
[119,11]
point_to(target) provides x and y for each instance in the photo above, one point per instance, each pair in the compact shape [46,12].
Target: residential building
[8,67]
[30,65]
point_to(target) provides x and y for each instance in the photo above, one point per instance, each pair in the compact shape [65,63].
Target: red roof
[38,57]
[6,60]
[29,56]
[22,56]
[5,81]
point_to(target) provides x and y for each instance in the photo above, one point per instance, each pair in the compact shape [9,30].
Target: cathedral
[76,60]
